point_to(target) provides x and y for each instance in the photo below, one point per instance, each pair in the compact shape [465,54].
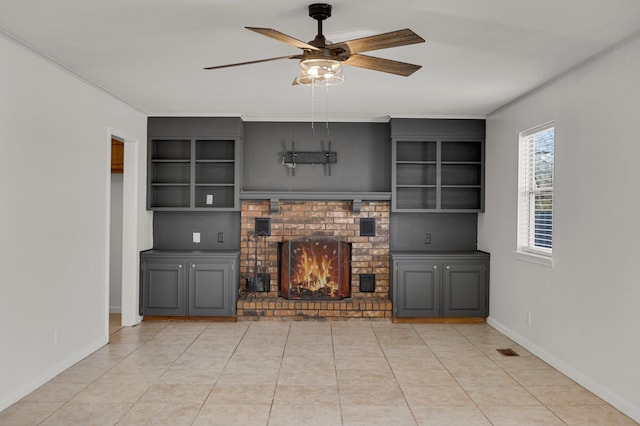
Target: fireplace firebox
[317,269]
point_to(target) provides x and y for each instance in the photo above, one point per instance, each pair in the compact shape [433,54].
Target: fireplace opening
[316,268]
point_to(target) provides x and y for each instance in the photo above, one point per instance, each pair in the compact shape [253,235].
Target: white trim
[538,259]
[530,188]
[627,407]
[130,266]
[537,129]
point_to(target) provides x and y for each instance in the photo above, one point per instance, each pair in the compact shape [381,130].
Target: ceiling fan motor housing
[320,11]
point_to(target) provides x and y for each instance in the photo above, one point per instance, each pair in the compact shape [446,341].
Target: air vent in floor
[507,352]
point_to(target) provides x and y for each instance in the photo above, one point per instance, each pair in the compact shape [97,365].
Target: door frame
[130,261]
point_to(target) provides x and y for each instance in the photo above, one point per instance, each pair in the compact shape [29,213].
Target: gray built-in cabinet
[437,165]
[432,171]
[194,171]
[440,285]
[189,283]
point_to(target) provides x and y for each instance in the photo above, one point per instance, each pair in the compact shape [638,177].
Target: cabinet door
[164,288]
[417,289]
[117,156]
[209,288]
[465,289]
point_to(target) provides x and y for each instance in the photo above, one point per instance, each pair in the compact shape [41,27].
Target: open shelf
[416,198]
[461,174]
[416,174]
[439,176]
[221,196]
[215,150]
[171,149]
[416,151]
[170,172]
[193,174]
[461,151]
[169,196]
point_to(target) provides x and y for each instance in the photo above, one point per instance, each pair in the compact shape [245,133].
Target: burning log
[315,269]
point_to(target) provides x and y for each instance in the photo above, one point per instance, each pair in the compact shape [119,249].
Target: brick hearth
[307,219]
[252,307]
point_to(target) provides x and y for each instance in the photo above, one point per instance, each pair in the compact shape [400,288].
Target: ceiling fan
[321,61]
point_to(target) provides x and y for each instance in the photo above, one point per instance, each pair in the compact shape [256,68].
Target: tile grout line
[395,377]
[221,371]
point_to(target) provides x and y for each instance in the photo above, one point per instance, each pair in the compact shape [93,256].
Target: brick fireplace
[316,221]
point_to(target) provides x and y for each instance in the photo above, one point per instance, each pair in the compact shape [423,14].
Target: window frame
[526,238]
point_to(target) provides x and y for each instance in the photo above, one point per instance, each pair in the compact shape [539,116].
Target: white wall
[54,190]
[115,264]
[585,310]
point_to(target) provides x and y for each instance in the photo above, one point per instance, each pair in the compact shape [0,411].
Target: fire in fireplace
[315,268]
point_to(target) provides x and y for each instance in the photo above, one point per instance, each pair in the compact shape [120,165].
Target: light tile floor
[310,373]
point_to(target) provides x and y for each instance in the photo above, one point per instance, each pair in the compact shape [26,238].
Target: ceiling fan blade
[380,41]
[385,65]
[277,35]
[253,62]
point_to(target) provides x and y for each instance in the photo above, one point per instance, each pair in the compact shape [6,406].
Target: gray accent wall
[363,151]
[442,127]
[174,230]
[180,127]
[447,232]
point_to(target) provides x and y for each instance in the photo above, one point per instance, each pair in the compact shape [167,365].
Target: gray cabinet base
[440,284]
[186,283]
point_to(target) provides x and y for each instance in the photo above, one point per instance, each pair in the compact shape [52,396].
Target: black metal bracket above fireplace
[292,158]
[310,157]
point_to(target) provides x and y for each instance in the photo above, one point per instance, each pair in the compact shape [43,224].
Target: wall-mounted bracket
[292,158]
[310,157]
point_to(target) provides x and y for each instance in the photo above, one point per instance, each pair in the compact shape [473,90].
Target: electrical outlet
[529,318]
[196,237]
[427,238]
[221,237]
[209,200]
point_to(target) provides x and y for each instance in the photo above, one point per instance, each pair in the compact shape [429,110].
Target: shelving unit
[437,175]
[193,174]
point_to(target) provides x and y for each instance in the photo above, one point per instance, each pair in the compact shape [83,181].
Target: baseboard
[577,376]
[115,309]
[51,372]
[189,319]
[438,320]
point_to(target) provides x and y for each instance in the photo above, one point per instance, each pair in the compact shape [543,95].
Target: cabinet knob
[179,266]
[448,267]
[193,265]
[435,266]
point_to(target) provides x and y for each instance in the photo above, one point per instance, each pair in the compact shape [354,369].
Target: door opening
[115,238]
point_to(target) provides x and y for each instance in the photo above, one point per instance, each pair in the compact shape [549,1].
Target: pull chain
[327,109]
[313,96]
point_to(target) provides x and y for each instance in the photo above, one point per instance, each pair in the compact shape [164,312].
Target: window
[535,175]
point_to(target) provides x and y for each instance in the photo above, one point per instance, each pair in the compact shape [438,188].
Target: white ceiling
[479,54]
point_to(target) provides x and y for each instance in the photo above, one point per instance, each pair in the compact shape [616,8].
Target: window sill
[535,258]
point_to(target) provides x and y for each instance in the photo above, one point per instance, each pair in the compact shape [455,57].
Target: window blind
[536,195]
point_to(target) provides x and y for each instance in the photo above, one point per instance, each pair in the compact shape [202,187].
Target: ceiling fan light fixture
[320,72]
